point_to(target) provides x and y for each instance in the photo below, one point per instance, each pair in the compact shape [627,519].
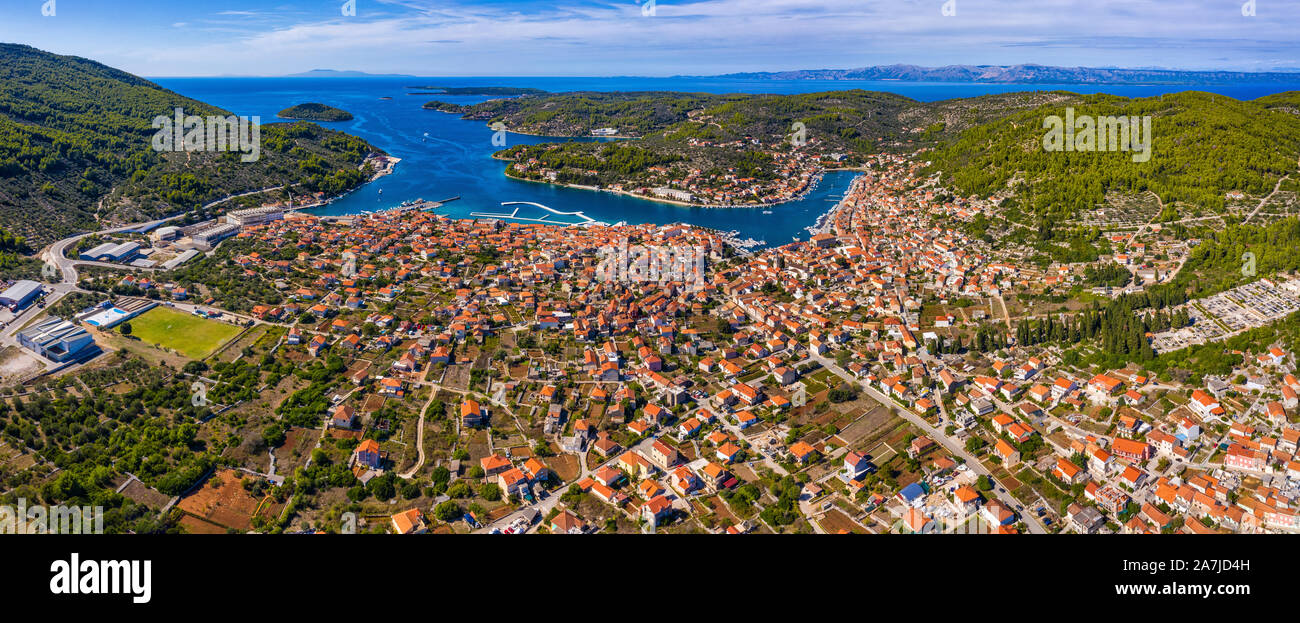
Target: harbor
[445,155]
[514,215]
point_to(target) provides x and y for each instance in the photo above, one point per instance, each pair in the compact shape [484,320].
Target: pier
[514,215]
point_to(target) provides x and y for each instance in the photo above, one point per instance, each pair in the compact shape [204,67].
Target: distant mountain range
[1023,74]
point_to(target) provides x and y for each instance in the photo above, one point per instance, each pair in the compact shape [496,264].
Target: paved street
[950,444]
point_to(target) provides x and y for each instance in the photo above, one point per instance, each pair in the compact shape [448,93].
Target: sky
[158,38]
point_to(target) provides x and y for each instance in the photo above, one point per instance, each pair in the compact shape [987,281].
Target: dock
[514,215]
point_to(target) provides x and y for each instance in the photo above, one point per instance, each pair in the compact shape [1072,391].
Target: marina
[514,215]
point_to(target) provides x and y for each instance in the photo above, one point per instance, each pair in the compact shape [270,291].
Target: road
[57,252]
[544,506]
[951,445]
[1263,201]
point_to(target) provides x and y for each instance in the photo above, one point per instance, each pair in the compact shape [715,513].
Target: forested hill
[1203,146]
[75,134]
[314,111]
[860,121]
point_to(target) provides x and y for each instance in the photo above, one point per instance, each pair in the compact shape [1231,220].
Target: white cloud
[711,36]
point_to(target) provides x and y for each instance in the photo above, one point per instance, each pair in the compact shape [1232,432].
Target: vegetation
[313,111]
[1203,147]
[184,333]
[718,133]
[74,132]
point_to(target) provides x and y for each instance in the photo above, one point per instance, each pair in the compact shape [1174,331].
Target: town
[485,375]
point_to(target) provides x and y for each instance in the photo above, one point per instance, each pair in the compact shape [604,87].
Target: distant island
[476,90]
[313,111]
[334,73]
[1023,74]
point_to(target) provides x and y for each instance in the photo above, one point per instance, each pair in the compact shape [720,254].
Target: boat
[767,211]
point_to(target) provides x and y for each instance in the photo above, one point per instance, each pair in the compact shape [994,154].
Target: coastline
[808,188]
[379,173]
[315,120]
[555,136]
[825,223]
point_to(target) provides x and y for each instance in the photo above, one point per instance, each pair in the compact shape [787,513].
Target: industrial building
[58,340]
[212,236]
[20,295]
[180,259]
[112,252]
[255,216]
[171,232]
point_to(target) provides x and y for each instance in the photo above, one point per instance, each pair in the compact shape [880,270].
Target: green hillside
[75,150]
[716,133]
[1203,147]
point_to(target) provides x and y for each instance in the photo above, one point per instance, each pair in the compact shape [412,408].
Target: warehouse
[20,295]
[112,252]
[180,259]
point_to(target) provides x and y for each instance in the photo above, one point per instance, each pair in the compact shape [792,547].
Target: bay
[444,156]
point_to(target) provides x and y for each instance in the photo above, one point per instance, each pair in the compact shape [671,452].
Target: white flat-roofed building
[171,232]
[58,340]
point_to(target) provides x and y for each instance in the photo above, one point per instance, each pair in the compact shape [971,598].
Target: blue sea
[444,156]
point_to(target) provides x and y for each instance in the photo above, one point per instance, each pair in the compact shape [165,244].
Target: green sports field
[184,333]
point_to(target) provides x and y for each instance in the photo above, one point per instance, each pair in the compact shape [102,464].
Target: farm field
[223,501]
[184,333]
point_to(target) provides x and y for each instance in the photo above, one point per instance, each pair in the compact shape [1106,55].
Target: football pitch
[184,333]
